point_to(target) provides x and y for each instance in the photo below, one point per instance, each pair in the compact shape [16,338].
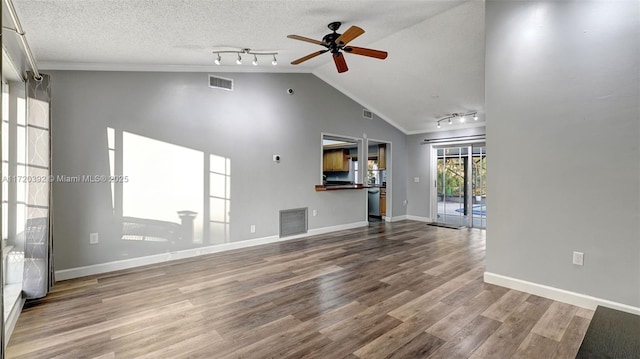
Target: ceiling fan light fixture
[438,124]
[475,117]
[255,60]
[239,59]
[450,122]
[462,119]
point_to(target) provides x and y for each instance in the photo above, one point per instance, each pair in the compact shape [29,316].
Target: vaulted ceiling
[435,65]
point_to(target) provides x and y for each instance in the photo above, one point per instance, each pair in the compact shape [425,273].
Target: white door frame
[389,168]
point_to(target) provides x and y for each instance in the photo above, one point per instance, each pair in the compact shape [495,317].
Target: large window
[14,192]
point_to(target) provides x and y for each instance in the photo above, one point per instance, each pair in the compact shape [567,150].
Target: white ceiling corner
[436,47]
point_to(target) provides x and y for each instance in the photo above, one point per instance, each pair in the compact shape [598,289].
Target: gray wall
[563,135]
[419,166]
[248,126]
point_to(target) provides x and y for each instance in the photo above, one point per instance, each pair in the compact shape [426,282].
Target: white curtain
[38,251]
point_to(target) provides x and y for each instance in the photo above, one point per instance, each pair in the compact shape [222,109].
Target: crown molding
[365,104]
[83,66]
[448,127]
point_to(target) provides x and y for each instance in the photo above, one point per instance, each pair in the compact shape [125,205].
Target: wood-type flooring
[391,290]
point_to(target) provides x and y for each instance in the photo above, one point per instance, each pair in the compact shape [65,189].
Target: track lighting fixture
[218,59]
[461,116]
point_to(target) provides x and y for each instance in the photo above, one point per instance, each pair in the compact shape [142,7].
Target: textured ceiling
[436,48]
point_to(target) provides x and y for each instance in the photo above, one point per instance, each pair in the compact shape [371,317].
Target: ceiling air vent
[367,114]
[220,83]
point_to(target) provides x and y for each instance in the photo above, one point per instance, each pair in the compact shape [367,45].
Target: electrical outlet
[314,212]
[416,179]
[253,228]
[578,258]
[93,238]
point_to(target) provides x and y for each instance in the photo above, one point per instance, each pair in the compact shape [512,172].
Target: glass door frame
[468,185]
[482,217]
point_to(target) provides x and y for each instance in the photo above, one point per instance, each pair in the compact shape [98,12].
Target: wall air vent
[293,221]
[220,83]
[367,114]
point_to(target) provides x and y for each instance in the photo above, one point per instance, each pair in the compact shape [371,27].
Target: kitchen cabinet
[335,161]
[382,157]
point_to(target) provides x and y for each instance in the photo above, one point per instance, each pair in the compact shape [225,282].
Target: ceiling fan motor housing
[330,41]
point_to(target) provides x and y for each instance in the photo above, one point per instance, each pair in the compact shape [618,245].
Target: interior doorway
[377,177]
[460,184]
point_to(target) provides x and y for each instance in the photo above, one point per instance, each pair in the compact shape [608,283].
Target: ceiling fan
[337,44]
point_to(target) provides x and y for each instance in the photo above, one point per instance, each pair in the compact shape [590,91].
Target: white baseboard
[419,219]
[405,217]
[192,252]
[561,295]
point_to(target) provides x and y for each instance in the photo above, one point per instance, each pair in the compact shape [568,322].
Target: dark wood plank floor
[399,290]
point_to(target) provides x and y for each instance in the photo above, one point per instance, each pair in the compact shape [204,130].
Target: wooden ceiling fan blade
[308,57]
[349,35]
[341,64]
[302,38]
[366,52]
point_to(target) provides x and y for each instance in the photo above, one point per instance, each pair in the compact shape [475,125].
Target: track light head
[462,116]
[218,59]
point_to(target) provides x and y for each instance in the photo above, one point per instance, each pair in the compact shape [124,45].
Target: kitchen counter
[320,188]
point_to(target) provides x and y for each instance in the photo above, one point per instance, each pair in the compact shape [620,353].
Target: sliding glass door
[450,185]
[461,185]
